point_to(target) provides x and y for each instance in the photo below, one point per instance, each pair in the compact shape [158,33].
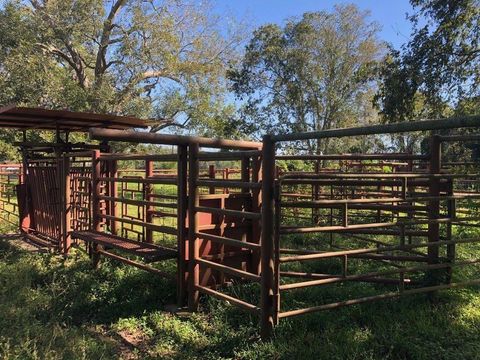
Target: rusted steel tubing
[448,138]
[449,123]
[329,254]
[193,241]
[149,209]
[39,241]
[238,254]
[420,257]
[376,297]
[223,226]
[237,302]
[303,230]
[163,196]
[151,157]
[229,270]
[276,255]
[159,228]
[377,164]
[309,204]
[228,184]
[234,155]
[182,234]
[444,220]
[136,264]
[267,238]
[381,232]
[138,202]
[161,213]
[150,138]
[434,204]
[225,196]
[304,275]
[390,257]
[297,177]
[66,204]
[387,207]
[228,241]
[312,203]
[385,156]
[228,212]
[153,180]
[365,239]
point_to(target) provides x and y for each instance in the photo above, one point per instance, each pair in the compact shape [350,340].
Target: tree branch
[101,62]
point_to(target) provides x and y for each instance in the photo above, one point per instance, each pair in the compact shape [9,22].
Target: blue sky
[390,14]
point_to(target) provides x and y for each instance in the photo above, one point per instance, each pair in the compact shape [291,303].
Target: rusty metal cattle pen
[217,231]
[415,187]
[429,185]
[387,221]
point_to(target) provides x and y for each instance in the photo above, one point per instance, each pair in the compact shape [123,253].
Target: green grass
[52,308]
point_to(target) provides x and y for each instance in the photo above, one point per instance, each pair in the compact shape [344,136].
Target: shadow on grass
[61,308]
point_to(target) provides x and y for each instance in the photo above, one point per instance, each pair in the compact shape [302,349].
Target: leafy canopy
[164,58]
[313,74]
[440,63]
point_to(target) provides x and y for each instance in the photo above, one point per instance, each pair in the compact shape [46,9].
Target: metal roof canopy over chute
[27,118]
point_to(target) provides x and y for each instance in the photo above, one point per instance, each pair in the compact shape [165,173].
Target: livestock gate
[48,195]
[251,224]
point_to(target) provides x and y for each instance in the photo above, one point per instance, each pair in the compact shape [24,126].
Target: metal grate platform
[150,252]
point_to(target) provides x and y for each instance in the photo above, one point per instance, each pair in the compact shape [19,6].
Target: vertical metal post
[114,193]
[148,191]
[451,213]
[25,221]
[254,266]
[267,263]
[411,204]
[276,234]
[434,205]
[345,215]
[226,173]
[316,195]
[66,237]
[211,175]
[182,204]
[96,192]
[245,171]
[193,243]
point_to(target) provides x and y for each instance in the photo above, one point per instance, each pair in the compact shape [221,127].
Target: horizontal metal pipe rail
[363,300]
[165,139]
[333,254]
[409,126]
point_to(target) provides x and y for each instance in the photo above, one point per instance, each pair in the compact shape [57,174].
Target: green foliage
[314,74]
[441,61]
[164,59]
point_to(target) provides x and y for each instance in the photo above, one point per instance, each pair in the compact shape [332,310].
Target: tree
[163,59]
[440,63]
[313,74]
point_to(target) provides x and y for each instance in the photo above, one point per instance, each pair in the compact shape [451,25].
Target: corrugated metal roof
[26,118]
